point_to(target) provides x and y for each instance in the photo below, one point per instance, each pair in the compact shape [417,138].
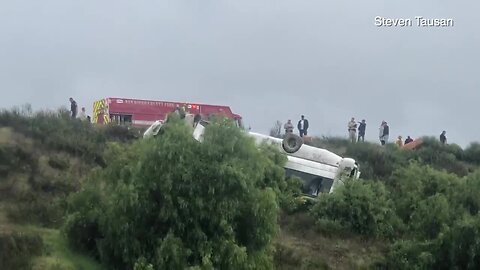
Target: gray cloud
[267,59]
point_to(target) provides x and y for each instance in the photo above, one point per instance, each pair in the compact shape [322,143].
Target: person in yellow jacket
[399,141]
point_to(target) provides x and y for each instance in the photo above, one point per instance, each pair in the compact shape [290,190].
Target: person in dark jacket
[408,140]
[443,138]
[303,126]
[361,130]
[73,108]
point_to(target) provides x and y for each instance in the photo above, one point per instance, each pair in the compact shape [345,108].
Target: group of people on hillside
[352,130]
[384,132]
[302,126]
[74,109]
[399,142]
[354,126]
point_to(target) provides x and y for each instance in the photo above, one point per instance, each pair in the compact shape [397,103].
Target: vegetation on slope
[44,157]
[170,202]
[423,203]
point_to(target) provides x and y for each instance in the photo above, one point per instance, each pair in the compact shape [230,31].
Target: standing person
[380,133]
[83,115]
[73,108]
[361,130]
[383,134]
[303,126]
[443,138]
[386,132]
[352,130]
[399,141]
[408,140]
[288,127]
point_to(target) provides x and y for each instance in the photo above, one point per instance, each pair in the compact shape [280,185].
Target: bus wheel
[292,143]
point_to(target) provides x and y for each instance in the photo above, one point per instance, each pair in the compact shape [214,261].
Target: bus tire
[292,143]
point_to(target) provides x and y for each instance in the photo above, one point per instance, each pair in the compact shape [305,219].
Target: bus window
[312,184]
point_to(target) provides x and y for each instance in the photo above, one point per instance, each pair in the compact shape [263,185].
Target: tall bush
[361,206]
[472,153]
[172,202]
[459,247]
[411,185]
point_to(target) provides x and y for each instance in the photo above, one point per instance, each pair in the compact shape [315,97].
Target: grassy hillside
[411,210]
[44,157]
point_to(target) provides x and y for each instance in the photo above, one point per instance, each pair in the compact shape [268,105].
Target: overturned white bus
[321,170]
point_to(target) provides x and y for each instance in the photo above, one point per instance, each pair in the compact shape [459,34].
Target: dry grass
[300,246]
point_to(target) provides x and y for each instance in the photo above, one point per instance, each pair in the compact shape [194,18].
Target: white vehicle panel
[311,167]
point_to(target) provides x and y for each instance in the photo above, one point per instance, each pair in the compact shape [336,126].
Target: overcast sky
[267,59]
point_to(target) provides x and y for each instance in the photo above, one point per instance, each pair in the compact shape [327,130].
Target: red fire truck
[143,113]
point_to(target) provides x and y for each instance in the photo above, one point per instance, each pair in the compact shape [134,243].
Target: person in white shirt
[83,115]
[288,127]
[352,130]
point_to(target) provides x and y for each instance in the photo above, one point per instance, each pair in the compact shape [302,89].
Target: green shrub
[178,203]
[472,153]
[468,194]
[361,206]
[290,196]
[459,247]
[378,162]
[442,157]
[45,153]
[57,131]
[83,210]
[120,133]
[437,208]
[411,254]
[142,264]
[412,185]
[430,216]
